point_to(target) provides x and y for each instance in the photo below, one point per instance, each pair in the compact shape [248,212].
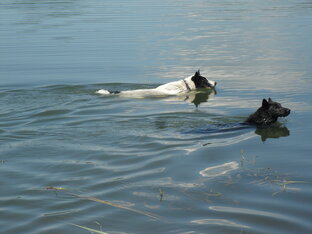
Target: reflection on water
[275,131]
[222,222]
[219,169]
[248,211]
[202,96]
[195,97]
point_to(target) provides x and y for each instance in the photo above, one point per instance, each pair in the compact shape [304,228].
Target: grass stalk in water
[154,216]
[286,182]
[89,229]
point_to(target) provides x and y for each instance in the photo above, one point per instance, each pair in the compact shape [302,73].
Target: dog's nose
[288,111]
[213,83]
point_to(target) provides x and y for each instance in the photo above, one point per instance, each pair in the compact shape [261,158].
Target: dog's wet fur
[264,119]
[268,113]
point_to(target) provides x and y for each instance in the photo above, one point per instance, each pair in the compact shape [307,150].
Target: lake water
[71,159]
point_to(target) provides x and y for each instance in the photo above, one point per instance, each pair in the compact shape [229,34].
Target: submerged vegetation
[247,172]
[161,194]
[262,176]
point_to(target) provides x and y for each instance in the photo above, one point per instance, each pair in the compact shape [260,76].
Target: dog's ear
[197,73]
[265,104]
[270,100]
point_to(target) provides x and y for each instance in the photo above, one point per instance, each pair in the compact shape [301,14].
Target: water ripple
[70,156]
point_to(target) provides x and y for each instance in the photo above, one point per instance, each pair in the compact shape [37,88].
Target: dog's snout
[212,83]
[286,112]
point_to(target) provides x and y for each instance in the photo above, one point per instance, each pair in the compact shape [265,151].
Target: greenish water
[155,164]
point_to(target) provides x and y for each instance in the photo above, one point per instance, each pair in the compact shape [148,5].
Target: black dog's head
[202,82]
[268,113]
[275,108]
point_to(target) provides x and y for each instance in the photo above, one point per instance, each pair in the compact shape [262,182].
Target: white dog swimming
[188,84]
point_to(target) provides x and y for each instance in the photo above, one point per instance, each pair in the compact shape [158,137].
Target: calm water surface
[71,159]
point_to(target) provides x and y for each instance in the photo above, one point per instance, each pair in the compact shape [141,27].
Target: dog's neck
[189,84]
[261,118]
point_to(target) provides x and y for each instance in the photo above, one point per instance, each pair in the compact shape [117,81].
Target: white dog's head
[202,82]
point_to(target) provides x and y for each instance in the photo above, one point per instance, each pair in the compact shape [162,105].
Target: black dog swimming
[264,119]
[267,114]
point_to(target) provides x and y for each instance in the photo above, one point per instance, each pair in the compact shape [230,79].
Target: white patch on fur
[176,87]
[103,92]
